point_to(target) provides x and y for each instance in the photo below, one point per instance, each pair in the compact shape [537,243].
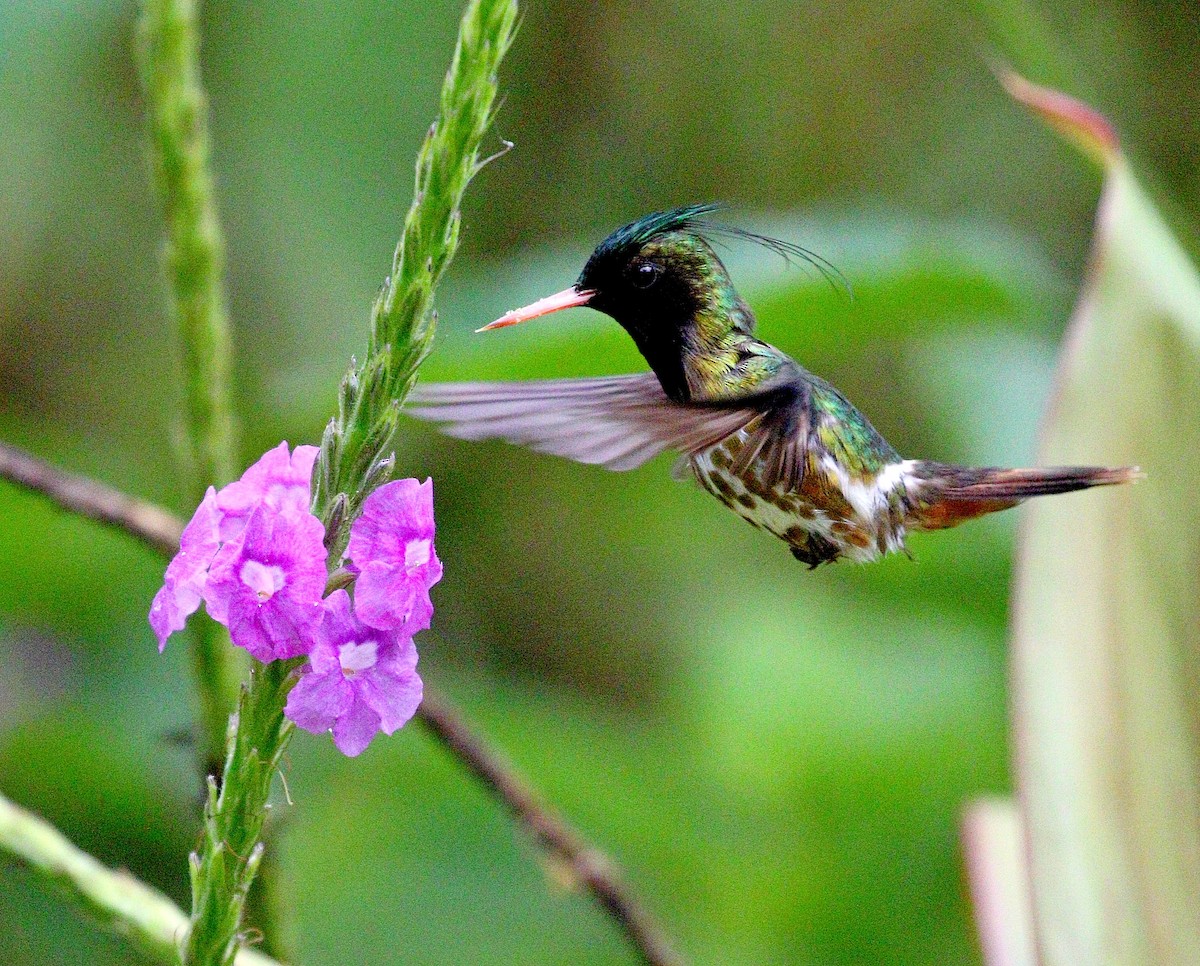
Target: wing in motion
[615,421]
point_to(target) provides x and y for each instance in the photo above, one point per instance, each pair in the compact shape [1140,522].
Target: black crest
[627,240]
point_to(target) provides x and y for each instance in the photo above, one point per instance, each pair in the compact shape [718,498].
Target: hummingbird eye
[645,274]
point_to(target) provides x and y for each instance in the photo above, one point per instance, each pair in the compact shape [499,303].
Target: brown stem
[585,864]
[89,498]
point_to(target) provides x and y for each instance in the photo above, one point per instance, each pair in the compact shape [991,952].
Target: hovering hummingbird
[779,446]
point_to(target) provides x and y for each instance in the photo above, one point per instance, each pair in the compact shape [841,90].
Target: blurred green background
[776,757]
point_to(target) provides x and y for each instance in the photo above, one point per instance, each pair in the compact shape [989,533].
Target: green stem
[177,110]
[116,901]
[267,902]
[231,849]
[402,319]
[195,256]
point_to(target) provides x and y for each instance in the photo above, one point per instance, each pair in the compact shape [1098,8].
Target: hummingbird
[778,445]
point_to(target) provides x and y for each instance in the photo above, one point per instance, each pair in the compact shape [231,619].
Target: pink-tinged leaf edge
[1075,120]
[993,841]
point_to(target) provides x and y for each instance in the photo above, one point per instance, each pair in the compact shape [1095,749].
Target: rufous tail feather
[947,495]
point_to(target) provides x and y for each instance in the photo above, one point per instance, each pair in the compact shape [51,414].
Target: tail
[946,495]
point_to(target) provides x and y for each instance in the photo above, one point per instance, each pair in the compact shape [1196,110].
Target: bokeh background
[777,758]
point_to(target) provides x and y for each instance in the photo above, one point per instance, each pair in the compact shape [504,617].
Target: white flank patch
[868,499]
[893,474]
[764,514]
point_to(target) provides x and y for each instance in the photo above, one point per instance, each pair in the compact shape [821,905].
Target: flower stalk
[354,451]
[194,256]
[353,462]
[232,848]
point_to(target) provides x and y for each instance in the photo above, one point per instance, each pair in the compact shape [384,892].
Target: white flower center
[416,553]
[283,496]
[355,656]
[265,580]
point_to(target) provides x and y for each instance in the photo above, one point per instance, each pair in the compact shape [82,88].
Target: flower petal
[400,654]
[187,573]
[394,697]
[355,729]
[200,540]
[283,624]
[385,597]
[396,513]
[170,610]
[336,628]
[276,480]
[391,549]
[421,616]
[275,630]
[318,700]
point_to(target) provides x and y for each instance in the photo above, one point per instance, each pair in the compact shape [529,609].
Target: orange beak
[566,299]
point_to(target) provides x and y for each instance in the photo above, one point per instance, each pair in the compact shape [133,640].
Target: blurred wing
[614,421]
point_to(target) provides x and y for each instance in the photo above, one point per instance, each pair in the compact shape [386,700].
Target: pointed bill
[566,299]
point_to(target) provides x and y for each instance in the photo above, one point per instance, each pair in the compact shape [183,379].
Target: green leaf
[1107,616]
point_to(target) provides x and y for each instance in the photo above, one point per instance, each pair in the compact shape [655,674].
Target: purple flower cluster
[255,555]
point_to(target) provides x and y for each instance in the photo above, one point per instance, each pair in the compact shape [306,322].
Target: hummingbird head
[660,279]
[655,274]
[662,282]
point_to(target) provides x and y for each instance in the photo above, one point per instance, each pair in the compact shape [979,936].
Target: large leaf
[1106,656]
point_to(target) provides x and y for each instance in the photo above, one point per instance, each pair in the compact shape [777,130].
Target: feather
[619,422]
[775,448]
[946,495]
[994,483]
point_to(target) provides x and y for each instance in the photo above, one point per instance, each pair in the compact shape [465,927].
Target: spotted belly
[829,517]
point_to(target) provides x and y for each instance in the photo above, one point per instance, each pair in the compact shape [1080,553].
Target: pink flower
[360,680]
[272,585]
[255,555]
[391,550]
[276,480]
[266,584]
